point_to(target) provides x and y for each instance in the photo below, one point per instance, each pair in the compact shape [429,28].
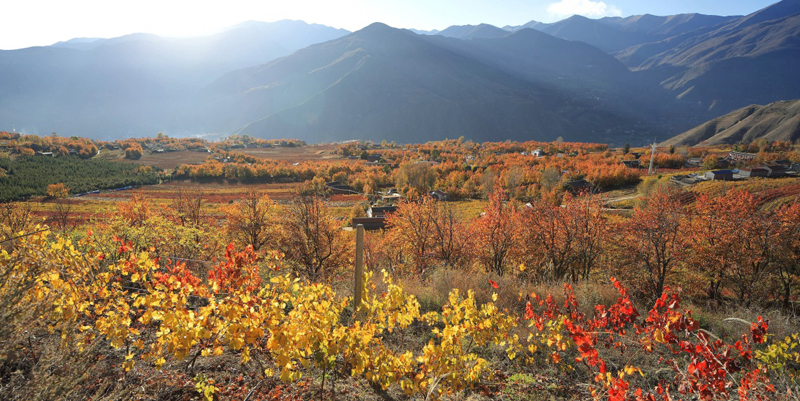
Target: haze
[44,22]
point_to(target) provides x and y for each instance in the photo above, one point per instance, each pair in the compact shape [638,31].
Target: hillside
[135,84]
[612,34]
[779,121]
[386,83]
[748,60]
[664,26]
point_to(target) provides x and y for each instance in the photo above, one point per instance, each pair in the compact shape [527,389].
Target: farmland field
[293,154]
[166,160]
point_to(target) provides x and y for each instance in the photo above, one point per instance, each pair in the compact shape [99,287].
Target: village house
[720,175]
[337,188]
[370,223]
[579,186]
[694,162]
[439,195]
[776,171]
[381,211]
[631,163]
[741,156]
[752,172]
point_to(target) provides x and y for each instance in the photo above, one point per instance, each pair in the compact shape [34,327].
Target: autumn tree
[57,190]
[787,248]
[15,218]
[419,176]
[59,216]
[451,237]
[495,233]
[650,246]
[549,179]
[710,162]
[732,243]
[591,234]
[411,231]
[188,207]
[429,233]
[313,241]
[135,211]
[250,221]
[548,240]
[134,151]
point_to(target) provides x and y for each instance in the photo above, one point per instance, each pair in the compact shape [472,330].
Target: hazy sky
[43,22]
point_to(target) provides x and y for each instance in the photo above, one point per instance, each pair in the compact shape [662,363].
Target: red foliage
[667,330]
[238,272]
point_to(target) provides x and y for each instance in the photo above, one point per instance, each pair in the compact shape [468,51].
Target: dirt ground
[169,160]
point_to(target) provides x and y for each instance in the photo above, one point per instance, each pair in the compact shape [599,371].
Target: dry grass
[293,155]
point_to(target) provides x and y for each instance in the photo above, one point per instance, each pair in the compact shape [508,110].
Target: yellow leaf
[658,335]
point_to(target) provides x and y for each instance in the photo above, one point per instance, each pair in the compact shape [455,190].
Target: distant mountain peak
[483,31]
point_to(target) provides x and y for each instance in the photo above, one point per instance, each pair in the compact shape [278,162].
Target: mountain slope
[612,34]
[664,26]
[593,32]
[385,83]
[779,121]
[748,60]
[132,85]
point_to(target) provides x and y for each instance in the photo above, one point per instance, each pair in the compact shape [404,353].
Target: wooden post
[359,274]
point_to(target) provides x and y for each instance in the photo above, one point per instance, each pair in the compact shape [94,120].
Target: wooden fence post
[359,274]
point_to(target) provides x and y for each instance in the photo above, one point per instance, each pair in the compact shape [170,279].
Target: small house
[776,171]
[752,172]
[741,156]
[337,188]
[370,223]
[720,175]
[578,186]
[391,197]
[631,163]
[694,162]
[381,211]
[439,195]
[689,179]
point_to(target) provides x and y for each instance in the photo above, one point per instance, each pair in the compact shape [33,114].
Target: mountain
[133,85]
[424,32]
[748,60]
[602,36]
[613,34]
[473,31]
[385,83]
[91,43]
[659,27]
[530,24]
[779,121]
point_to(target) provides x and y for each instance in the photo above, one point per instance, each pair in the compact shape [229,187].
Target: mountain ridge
[778,121]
